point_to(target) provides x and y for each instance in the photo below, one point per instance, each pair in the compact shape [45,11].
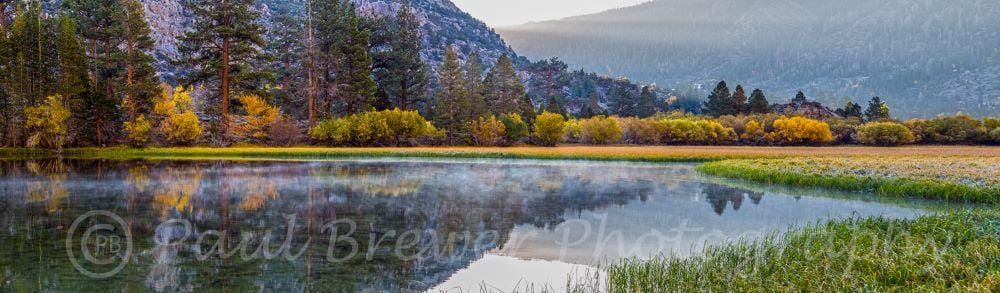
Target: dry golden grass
[630,153]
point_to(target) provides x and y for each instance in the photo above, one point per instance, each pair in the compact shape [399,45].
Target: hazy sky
[511,12]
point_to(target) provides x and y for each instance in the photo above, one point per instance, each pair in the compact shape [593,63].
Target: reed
[955,251]
[958,179]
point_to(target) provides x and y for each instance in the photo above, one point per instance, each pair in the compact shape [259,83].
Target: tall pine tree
[719,101]
[142,85]
[758,103]
[877,110]
[478,106]
[452,98]
[621,101]
[222,49]
[505,92]
[647,102]
[356,86]
[404,78]
[739,101]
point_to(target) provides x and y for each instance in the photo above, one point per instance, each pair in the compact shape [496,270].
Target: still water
[372,225]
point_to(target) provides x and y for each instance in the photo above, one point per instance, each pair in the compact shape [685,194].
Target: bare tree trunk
[311,92]
[224,124]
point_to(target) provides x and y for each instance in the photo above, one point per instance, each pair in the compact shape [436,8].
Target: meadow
[571,152]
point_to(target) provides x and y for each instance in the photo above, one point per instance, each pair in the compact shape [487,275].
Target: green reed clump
[774,171]
[957,251]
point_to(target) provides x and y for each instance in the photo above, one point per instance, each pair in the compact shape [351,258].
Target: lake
[375,224]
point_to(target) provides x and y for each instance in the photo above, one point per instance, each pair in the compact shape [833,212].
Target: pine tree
[474,88]
[647,102]
[100,24]
[141,82]
[74,79]
[758,103]
[621,101]
[739,101]
[800,98]
[356,86]
[330,25]
[452,99]
[222,49]
[287,47]
[718,101]
[28,76]
[505,92]
[404,78]
[877,110]
[851,110]
[553,106]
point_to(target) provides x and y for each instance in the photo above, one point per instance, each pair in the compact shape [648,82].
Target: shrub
[573,131]
[991,123]
[549,128]
[138,131]
[336,131]
[800,130]
[516,128]
[844,129]
[916,127]
[884,134]
[178,123]
[685,131]
[954,129]
[388,127]
[48,123]
[487,131]
[284,132]
[600,130]
[753,133]
[995,135]
[182,129]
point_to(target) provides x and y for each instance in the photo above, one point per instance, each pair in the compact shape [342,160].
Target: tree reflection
[720,196]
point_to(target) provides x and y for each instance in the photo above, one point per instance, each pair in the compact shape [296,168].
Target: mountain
[442,24]
[927,56]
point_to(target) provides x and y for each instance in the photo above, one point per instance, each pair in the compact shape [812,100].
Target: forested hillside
[930,57]
[103,72]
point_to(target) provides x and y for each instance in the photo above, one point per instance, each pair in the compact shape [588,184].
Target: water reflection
[405,225]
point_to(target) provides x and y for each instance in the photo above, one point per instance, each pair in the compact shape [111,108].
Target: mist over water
[372,225]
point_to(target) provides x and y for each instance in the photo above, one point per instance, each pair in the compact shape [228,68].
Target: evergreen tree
[505,92]
[719,101]
[452,98]
[6,10]
[287,47]
[647,102]
[800,98]
[404,78]
[28,75]
[222,49]
[758,103]
[330,25]
[739,101]
[73,79]
[553,106]
[142,85]
[474,88]
[621,102]
[877,110]
[851,110]
[356,86]
[100,23]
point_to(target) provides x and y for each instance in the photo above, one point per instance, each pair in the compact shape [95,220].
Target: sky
[497,13]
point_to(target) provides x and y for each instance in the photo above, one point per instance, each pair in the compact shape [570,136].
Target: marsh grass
[947,252]
[951,183]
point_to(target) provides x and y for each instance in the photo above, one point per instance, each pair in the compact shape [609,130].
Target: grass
[569,152]
[970,179]
[948,252]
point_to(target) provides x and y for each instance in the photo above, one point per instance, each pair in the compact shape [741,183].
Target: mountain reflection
[440,216]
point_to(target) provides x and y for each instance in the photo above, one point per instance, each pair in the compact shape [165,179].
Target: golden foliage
[487,131]
[549,128]
[600,130]
[800,130]
[260,115]
[178,123]
[138,131]
[48,123]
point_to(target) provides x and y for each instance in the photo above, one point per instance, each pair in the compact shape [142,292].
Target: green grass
[772,172]
[957,251]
